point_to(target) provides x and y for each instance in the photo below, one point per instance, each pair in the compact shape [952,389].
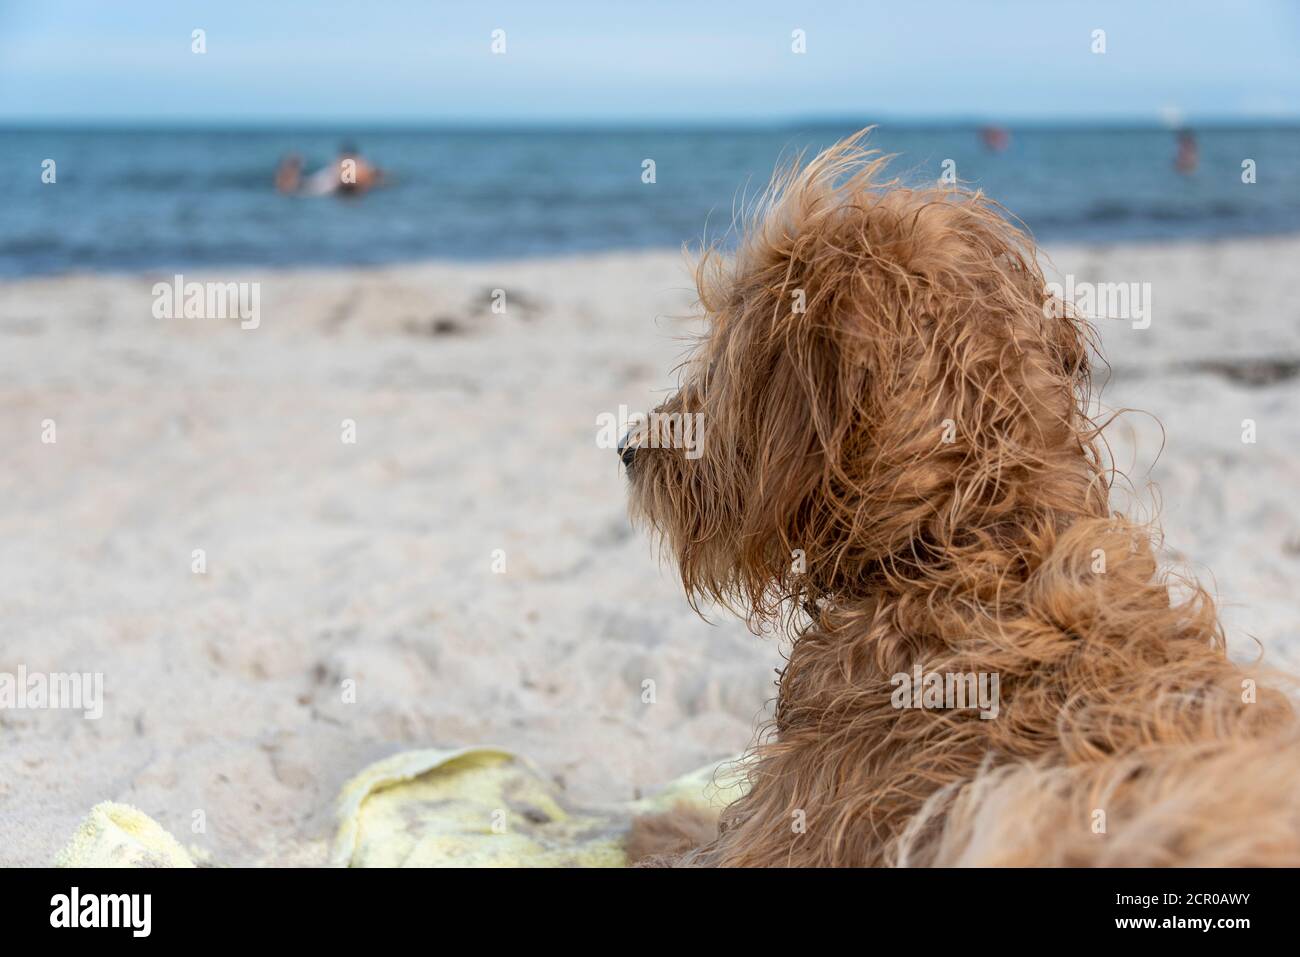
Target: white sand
[373,561]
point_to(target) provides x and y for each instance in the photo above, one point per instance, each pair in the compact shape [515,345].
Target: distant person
[349,174]
[996,139]
[355,173]
[288,176]
[1188,157]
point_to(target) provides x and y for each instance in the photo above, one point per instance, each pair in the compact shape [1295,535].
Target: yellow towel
[118,835]
[471,807]
[487,807]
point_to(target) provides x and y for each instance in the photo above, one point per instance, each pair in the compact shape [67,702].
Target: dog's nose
[626,450]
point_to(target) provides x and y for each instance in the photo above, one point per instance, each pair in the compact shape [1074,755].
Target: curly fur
[924,317]
[660,840]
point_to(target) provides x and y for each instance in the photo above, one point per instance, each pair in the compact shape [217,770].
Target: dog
[901,474]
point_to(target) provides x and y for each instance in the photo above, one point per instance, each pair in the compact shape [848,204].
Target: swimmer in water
[348,174]
[288,176]
[1188,157]
[996,139]
[354,173]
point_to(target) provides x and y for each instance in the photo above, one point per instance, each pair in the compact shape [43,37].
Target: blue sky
[629,62]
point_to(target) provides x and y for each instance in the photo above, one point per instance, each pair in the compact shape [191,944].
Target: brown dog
[898,467]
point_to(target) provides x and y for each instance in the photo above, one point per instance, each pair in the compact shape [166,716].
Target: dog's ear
[786,393]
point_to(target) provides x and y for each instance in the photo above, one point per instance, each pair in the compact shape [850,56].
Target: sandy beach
[466,565]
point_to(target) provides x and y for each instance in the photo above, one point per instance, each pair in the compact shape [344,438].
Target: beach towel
[488,807]
[118,835]
[467,807]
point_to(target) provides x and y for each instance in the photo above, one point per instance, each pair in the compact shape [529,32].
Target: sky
[617,62]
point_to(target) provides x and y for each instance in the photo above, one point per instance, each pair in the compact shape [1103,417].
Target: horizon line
[1099,121]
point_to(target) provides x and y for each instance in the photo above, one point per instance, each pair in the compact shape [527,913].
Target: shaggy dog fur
[899,470]
[660,840]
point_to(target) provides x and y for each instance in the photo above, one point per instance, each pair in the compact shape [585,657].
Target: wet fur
[925,317]
[661,840]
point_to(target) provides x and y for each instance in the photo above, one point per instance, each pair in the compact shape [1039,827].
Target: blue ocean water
[164,199]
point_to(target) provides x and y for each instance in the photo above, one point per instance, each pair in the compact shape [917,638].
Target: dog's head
[881,377]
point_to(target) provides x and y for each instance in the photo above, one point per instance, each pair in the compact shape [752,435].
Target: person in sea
[288,176]
[996,139]
[355,173]
[1188,157]
[350,173]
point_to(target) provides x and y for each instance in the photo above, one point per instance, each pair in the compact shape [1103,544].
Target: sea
[121,200]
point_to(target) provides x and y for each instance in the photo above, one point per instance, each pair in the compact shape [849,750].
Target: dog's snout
[627,450]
